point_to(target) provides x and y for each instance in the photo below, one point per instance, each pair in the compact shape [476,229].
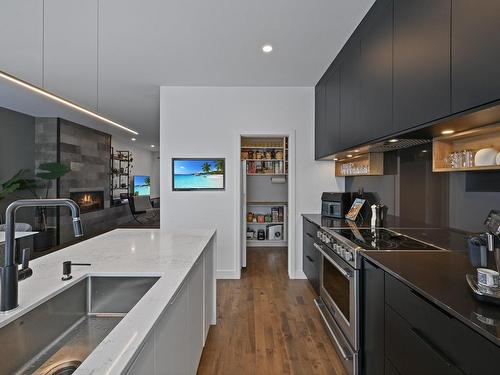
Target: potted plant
[37,184]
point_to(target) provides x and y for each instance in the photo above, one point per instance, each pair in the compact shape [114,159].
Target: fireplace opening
[88,200]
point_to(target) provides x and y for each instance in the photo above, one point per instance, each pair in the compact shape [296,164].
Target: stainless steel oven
[340,311]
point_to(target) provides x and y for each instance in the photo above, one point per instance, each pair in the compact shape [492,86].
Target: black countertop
[446,238]
[438,276]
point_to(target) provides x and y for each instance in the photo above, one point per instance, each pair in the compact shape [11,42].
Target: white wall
[206,122]
[145,162]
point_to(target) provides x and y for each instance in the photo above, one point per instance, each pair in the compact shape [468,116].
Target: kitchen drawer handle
[179,291]
[309,235]
[433,347]
[423,299]
[346,274]
[309,258]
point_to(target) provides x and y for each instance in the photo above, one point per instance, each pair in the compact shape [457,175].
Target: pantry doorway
[265,188]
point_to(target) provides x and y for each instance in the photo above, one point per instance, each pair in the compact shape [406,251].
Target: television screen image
[142,185]
[198,174]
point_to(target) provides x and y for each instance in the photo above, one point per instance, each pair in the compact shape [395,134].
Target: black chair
[141,208]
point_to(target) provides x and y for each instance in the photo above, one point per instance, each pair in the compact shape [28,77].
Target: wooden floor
[267,324]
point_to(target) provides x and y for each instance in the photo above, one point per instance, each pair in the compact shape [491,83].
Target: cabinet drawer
[309,228]
[310,263]
[310,252]
[468,350]
[410,351]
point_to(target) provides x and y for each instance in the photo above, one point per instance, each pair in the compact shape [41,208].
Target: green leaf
[10,189]
[52,171]
[17,178]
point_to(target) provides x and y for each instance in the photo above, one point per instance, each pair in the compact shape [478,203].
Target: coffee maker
[481,245]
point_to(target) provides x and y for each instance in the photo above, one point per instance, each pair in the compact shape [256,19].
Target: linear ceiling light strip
[67,103]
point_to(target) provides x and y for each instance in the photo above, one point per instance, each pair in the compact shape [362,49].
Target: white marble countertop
[18,235]
[122,252]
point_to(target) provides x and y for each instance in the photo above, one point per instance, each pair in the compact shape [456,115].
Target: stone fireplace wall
[87,152]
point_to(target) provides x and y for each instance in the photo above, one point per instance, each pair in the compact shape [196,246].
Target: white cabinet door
[145,361]
[172,337]
[70,50]
[209,289]
[196,315]
[21,39]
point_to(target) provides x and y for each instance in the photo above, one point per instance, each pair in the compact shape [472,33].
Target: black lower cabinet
[372,319]
[410,351]
[311,257]
[390,369]
[404,333]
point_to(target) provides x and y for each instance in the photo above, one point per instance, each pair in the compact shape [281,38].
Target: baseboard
[299,274]
[227,274]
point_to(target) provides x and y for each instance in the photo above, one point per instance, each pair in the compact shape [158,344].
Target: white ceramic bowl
[486,156]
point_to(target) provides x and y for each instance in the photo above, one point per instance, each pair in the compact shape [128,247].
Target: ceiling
[113,55]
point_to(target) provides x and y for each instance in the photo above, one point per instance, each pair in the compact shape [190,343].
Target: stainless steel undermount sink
[57,336]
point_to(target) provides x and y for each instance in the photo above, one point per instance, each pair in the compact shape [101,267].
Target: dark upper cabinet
[421,61]
[475,53]
[333,111]
[320,142]
[351,129]
[327,114]
[376,70]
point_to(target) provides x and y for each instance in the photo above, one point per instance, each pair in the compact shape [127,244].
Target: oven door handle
[346,274]
[343,353]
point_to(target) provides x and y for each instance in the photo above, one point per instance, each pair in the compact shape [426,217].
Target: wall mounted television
[141,185]
[198,174]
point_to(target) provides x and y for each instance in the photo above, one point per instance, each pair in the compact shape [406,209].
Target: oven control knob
[341,251]
[318,234]
[327,239]
[348,256]
[334,246]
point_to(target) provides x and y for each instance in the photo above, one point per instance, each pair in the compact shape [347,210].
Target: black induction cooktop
[382,239]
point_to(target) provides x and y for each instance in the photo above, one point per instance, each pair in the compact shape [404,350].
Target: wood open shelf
[374,162]
[474,140]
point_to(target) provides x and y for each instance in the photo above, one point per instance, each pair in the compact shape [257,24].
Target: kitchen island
[167,328]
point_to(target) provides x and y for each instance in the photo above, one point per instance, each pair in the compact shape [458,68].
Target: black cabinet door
[421,61]
[351,129]
[376,70]
[475,53]
[320,141]
[411,352]
[333,111]
[372,319]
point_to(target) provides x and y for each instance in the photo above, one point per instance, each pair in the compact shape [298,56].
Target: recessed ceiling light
[335,159]
[394,140]
[133,139]
[65,102]
[349,156]
[356,150]
[424,150]
[267,48]
[448,131]
[152,146]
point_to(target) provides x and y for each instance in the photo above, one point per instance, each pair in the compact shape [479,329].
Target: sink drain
[65,368]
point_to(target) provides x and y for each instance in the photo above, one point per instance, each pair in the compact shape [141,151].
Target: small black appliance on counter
[337,205]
